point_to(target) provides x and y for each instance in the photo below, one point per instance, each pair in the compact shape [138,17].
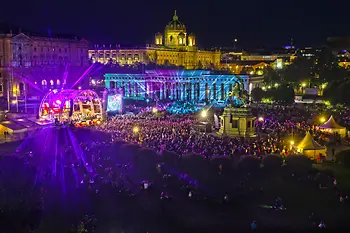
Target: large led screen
[114,103]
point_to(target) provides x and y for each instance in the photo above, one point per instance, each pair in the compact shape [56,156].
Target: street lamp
[154,110]
[136,129]
[234,43]
[204,113]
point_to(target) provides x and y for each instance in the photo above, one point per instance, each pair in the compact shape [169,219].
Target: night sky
[256,23]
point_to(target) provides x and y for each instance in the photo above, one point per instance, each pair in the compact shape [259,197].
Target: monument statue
[237,119]
[238,97]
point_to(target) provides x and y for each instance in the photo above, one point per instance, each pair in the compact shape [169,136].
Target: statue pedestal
[237,122]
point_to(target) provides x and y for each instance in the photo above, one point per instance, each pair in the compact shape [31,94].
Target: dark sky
[255,23]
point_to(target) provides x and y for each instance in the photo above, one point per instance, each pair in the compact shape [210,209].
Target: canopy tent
[309,147]
[332,126]
[11,127]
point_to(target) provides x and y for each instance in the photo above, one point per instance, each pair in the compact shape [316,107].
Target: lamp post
[204,115]
[234,43]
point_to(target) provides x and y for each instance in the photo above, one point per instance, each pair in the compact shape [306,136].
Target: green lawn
[9,147]
[341,173]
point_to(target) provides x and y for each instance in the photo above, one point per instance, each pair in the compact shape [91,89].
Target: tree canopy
[321,70]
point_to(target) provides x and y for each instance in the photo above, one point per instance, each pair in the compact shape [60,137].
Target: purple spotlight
[58,102]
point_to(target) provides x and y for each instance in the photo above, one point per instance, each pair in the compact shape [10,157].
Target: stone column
[215,91]
[206,90]
[201,91]
[183,91]
[160,86]
[178,91]
[222,89]
[164,91]
[147,87]
[193,91]
[189,91]
[173,90]
[226,90]
[136,89]
[126,89]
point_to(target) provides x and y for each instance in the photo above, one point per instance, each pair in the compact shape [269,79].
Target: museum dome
[175,24]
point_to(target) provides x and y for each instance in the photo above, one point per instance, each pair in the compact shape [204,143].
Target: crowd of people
[92,162]
[177,135]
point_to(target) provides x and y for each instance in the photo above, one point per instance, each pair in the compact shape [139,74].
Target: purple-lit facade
[186,85]
[32,65]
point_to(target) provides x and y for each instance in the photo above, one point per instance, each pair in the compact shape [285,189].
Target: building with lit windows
[31,65]
[173,47]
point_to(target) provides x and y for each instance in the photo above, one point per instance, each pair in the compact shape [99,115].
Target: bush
[298,163]
[146,162]
[170,158]
[343,157]
[128,152]
[272,162]
[224,161]
[145,155]
[118,143]
[249,163]
[197,168]
[194,164]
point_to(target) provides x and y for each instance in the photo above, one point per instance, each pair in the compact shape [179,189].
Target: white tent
[309,147]
[332,126]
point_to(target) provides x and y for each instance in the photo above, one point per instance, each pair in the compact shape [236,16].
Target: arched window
[58,82]
[21,86]
[44,83]
[51,82]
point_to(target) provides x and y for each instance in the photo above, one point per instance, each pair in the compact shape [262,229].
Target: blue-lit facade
[185,85]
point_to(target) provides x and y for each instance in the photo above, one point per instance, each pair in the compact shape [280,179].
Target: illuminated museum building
[174,47]
[32,65]
[189,85]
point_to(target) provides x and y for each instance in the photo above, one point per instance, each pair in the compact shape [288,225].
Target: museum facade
[185,85]
[173,47]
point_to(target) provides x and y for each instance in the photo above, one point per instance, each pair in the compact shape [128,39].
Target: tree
[299,71]
[284,94]
[337,92]
[326,67]
[257,94]
[271,76]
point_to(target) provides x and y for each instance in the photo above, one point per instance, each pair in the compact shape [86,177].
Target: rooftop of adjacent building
[7,30]
[119,47]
